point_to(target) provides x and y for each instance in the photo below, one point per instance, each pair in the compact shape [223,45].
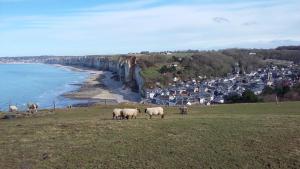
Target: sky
[85,27]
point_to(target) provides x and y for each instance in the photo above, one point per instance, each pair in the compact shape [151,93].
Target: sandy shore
[101,86]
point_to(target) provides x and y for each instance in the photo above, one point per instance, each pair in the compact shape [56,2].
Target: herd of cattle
[126,113]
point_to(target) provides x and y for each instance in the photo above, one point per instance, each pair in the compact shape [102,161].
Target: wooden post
[54,105]
[9,104]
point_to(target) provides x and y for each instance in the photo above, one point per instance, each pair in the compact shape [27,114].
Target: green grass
[226,136]
[151,75]
[151,72]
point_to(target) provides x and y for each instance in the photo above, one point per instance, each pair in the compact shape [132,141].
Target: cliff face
[125,67]
[139,80]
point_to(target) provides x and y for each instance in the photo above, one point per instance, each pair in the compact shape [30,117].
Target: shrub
[166,69]
[247,97]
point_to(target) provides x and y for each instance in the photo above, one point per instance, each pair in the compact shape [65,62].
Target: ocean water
[37,83]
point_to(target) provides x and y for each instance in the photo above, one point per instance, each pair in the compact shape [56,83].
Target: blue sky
[81,27]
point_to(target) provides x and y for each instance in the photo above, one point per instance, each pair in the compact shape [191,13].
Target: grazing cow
[32,108]
[183,110]
[156,111]
[13,108]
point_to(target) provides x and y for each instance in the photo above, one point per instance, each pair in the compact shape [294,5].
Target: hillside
[225,136]
[190,64]
[159,66]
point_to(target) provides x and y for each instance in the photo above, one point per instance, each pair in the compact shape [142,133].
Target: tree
[249,97]
[233,98]
[268,90]
[297,88]
[166,69]
[282,90]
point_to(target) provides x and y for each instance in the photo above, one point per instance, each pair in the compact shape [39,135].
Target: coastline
[100,87]
[39,88]
[96,87]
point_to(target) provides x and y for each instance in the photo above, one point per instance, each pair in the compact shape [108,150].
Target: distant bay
[37,83]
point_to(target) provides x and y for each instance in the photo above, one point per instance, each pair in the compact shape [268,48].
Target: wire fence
[63,103]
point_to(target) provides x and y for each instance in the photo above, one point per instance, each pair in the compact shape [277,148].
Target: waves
[38,83]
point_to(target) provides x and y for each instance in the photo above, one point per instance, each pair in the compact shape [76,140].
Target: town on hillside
[201,90]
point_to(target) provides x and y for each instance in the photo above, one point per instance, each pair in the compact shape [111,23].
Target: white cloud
[111,29]
[221,20]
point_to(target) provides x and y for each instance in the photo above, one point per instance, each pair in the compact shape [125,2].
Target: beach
[100,86]
[45,84]
[38,83]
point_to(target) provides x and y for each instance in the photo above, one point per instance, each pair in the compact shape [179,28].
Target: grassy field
[225,136]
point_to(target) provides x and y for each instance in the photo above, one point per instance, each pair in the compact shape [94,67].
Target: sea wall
[125,67]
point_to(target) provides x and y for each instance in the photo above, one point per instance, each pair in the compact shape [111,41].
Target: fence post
[54,105]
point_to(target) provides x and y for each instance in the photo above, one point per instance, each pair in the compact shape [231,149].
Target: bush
[268,90]
[282,90]
[296,88]
[233,98]
[247,97]
[166,69]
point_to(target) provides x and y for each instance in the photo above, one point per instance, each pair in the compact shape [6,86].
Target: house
[201,100]
[214,90]
[175,79]
[151,95]
[219,100]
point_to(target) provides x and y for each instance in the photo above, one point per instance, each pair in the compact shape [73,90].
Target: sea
[37,83]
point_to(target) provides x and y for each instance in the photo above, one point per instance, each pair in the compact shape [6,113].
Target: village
[202,90]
